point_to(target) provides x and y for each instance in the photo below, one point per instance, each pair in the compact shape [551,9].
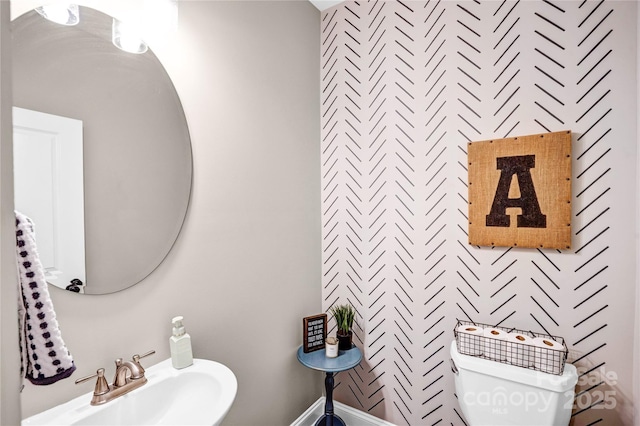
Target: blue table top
[319,361]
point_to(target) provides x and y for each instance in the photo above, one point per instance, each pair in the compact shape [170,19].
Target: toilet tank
[492,393]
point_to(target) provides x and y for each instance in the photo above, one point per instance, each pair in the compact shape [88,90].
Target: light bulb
[127,38]
[160,20]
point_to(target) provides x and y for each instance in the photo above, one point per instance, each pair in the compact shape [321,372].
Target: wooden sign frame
[314,332]
[520,191]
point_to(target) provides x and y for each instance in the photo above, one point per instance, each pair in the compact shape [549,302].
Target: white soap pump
[180,345]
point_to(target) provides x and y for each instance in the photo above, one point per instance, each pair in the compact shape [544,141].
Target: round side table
[318,360]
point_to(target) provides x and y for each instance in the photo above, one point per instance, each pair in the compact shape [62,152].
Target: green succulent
[343,315]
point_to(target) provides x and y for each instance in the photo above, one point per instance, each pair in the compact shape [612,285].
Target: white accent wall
[405,86]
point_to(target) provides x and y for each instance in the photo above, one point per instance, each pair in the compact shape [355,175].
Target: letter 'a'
[531,216]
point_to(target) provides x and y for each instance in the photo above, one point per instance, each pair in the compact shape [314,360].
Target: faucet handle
[137,358]
[102,386]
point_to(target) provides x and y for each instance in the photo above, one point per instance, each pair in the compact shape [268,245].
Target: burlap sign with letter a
[520,191]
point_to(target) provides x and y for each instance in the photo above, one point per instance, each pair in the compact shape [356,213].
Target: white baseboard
[350,415]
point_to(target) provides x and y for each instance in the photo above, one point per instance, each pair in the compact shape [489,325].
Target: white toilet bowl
[493,394]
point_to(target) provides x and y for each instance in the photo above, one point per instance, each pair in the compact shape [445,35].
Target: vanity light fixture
[154,23]
[60,12]
[160,22]
[125,36]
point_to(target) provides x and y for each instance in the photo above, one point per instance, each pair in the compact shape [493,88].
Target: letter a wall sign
[520,191]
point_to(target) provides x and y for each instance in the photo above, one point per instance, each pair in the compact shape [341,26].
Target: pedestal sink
[201,394]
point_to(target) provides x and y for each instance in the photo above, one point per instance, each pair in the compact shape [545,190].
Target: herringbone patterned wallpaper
[405,86]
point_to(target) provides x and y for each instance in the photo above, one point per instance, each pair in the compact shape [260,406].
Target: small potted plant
[343,315]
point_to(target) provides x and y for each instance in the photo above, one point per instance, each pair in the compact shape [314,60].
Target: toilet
[492,393]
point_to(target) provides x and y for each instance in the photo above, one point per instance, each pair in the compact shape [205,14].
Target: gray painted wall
[10,362]
[246,267]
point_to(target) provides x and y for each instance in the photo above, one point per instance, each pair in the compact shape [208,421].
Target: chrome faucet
[129,376]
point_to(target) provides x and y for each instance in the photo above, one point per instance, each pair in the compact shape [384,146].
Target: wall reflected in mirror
[136,152]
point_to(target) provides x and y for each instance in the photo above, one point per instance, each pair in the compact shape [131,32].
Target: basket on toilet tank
[537,351]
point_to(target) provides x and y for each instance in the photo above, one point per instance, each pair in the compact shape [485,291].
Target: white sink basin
[201,394]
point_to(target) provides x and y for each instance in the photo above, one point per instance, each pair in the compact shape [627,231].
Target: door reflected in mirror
[136,165]
[49,190]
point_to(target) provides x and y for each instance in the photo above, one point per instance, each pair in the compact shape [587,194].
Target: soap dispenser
[180,345]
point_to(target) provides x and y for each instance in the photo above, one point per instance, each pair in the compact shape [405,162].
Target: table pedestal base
[328,418]
[324,421]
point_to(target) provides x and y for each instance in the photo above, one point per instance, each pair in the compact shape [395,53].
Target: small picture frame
[314,332]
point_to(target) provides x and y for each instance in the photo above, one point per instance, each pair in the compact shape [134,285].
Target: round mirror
[136,150]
